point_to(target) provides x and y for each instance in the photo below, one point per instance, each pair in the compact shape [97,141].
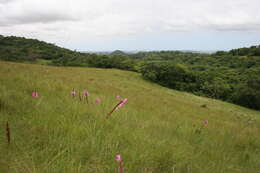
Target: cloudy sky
[103,25]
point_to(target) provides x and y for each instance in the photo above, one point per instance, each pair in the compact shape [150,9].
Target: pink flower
[120,165]
[85,93]
[35,94]
[73,93]
[206,122]
[118,97]
[118,158]
[98,100]
[121,103]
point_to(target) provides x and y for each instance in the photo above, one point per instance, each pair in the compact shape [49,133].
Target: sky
[107,25]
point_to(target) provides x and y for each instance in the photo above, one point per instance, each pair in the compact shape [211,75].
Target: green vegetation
[22,49]
[232,76]
[158,130]
[34,51]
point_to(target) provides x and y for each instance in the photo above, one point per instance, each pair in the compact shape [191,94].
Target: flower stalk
[119,105]
[8,133]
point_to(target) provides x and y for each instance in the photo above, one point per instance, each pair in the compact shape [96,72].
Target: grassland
[156,131]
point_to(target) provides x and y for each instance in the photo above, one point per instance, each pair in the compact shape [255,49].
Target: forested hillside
[233,76]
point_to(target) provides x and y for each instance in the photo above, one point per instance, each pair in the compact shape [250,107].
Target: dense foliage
[21,49]
[232,76]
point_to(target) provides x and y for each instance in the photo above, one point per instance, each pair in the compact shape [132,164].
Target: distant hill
[118,52]
[251,51]
[245,51]
[22,49]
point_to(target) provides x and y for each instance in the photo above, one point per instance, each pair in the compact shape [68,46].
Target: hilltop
[158,130]
[23,49]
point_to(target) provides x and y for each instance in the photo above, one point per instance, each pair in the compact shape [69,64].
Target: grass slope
[154,131]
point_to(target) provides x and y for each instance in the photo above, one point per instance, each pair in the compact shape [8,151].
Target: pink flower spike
[119,105]
[118,97]
[85,93]
[98,100]
[120,164]
[118,158]
[206,122]
[73,93]
[35,94]
[122,103]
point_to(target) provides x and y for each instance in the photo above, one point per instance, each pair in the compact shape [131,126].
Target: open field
[158,130]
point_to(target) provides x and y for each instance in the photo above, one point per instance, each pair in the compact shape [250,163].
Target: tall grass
[154,132]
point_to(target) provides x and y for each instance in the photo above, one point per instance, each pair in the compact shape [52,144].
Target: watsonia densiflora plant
[117,106]
[8,133]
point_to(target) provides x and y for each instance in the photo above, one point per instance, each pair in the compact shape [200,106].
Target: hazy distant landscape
[136,51]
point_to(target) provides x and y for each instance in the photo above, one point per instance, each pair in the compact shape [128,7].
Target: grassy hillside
[157,131]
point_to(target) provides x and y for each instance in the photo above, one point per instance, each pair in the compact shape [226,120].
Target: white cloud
[80,19]
[5,1]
